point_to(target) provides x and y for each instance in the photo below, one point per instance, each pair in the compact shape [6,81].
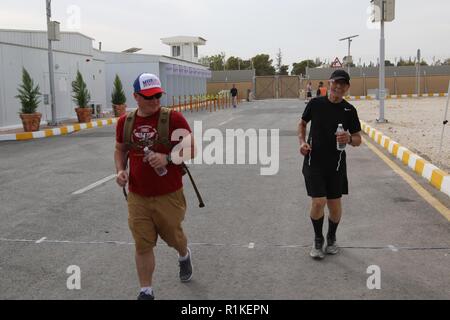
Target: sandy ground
[414,123]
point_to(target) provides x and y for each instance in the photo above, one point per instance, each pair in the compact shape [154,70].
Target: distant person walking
[234,95]
[324,166]
[309,89]
[322,91]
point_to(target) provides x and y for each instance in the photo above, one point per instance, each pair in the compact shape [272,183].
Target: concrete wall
[397,85]
[216,87]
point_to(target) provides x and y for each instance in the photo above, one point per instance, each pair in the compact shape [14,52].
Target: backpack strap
[128,128]
[163,127]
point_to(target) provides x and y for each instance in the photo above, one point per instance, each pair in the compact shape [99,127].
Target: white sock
[184,258]
[147,290]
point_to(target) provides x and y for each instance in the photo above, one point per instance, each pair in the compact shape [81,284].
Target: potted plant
[29,98]
[118,98]
[81,97]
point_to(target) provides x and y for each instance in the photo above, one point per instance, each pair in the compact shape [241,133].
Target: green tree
[263,65]
[217,62]
[206,61]
[284,70]
[300,68]
[233,63]
[388,63]
[405,63]
[118,95]
[28,94]
[81,95]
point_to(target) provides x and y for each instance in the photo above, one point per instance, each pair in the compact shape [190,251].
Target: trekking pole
[200,200]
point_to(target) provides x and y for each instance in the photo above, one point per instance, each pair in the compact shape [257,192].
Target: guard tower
[183,47]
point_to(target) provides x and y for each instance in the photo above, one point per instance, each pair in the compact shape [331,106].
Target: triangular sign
[337,63]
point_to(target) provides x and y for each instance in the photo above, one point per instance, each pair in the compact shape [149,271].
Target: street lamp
[383,11]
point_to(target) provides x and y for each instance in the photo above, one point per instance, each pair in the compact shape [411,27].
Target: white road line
[393,248]
[251,245]
[225,122]
[41,240]
[94,185]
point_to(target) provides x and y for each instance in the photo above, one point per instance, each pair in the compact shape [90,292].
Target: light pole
[384,11]
[52,35]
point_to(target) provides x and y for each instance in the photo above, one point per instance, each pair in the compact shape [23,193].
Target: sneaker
[331,248]
[145,296]
[316,251]
[186,268]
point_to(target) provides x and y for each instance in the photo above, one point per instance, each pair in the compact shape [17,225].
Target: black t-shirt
[325,117]
[234,92]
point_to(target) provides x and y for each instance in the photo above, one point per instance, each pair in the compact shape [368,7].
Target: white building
[178,77]
[183,47]
[21,48]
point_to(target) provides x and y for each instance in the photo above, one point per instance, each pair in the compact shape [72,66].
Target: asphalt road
[251,241]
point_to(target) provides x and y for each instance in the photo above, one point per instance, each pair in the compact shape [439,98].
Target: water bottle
[340,146]
[159,171]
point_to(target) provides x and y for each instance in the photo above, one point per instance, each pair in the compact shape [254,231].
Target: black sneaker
[145,296]
[186,268]
[317,249]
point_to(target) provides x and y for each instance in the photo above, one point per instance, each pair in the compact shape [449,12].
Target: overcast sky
[301,29]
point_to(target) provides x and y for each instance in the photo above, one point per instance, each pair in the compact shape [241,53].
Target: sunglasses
[156,96]
[340,82]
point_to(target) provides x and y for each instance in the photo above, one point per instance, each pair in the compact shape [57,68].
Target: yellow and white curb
[437,177]
[400,96]
[57,131]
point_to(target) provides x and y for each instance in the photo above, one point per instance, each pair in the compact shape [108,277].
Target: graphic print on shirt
[145,136]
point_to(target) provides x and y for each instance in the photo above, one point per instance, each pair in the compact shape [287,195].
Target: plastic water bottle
[340,146]
[159,171]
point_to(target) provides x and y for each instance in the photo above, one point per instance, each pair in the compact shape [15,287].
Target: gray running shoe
[186,268]
[316,251]
[331,248]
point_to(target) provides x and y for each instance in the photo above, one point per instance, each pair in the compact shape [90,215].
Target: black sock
[332,227]
[318,224]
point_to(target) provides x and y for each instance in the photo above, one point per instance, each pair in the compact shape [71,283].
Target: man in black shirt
[324,167]
[234,93]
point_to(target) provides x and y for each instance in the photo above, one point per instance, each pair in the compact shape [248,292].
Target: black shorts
[309,95]
[331,185]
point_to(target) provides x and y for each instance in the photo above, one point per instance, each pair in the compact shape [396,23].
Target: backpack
[162,128]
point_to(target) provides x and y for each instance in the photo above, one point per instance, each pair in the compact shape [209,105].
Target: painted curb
[435,176]
[57,131]
[400,96]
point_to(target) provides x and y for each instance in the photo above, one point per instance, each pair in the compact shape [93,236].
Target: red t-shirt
[143,178]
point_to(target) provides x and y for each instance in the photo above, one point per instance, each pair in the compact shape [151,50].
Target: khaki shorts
[149,217]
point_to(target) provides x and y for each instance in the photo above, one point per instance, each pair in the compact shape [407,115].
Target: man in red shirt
[156,202]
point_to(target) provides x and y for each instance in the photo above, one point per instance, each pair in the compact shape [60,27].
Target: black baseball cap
[340,75]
